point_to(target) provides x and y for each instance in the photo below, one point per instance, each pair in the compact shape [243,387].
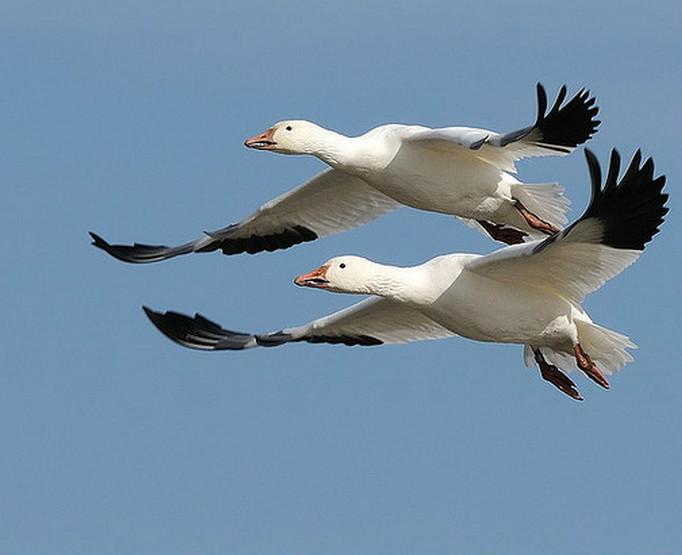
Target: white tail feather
[545,200]
[606,347]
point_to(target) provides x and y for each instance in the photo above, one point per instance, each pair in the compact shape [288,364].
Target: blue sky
[128,118]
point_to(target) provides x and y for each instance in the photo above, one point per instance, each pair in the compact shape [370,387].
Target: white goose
[454,170]
[528,294]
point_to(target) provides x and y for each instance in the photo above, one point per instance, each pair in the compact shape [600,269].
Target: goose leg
[556,377]
[587,365]
[533,221]
[498,232]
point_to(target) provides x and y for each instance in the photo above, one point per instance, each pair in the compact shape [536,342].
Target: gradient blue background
[127,118]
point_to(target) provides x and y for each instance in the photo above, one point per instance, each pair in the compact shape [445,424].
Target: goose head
[342,274]
[290,137]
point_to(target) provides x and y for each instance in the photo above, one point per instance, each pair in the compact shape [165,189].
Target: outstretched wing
[331,202]
[556,132]
[373,321]
[620,219]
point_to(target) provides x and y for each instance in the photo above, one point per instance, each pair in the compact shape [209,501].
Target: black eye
[342,265]
[288,127]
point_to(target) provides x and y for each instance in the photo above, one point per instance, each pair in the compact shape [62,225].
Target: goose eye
[342,265]
[288,127]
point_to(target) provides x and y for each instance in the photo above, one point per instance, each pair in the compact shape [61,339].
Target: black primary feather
[563,127]
[203,334]
[198,332]
[631,209]
[141,254]
[145,254]
[571,124]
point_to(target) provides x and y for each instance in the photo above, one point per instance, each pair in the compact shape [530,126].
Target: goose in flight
[462,171]
[528,294]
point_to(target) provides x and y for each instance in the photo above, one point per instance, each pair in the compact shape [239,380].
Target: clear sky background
[128,118]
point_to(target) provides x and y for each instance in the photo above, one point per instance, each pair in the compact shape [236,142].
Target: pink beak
[264,141]
[317,278]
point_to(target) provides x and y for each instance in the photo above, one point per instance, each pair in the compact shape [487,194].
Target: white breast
[488,310]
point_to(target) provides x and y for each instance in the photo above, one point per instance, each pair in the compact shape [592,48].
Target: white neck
[400,284]
[334,149]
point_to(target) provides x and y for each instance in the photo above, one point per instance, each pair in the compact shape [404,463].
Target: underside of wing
[331,202]
[385,320]
[371,322]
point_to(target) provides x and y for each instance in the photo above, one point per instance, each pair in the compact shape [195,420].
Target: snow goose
[463,171]
[529,294]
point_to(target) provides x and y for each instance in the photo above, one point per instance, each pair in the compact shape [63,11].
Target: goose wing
[621,218]
[556,132]
[330,202]
[374,321]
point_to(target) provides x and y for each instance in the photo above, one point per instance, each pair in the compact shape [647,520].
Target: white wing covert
[557,132]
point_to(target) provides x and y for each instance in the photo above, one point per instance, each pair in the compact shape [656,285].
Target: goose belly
[487,310]
[444,183]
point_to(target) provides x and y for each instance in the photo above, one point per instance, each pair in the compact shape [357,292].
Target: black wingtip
[150,313]
[563,91]
[631,209]
[636,157]
[542,103]
[595,174]
[226,239]
[567,124]
[591,157]
[176,327]
[140,253]
[198,332]
[157,318]
[614,168]
[97,241]
[121,252]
